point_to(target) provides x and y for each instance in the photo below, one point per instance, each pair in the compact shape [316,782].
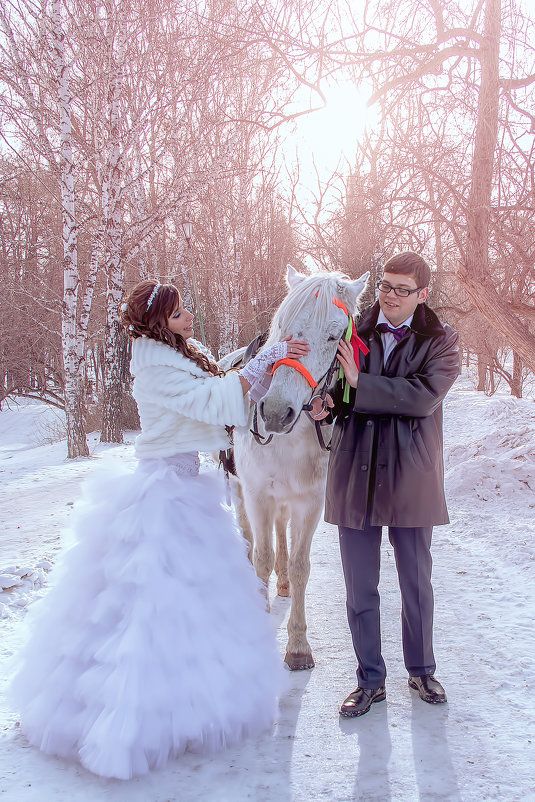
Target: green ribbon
[341,375]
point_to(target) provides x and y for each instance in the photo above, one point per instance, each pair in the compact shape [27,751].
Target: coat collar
[424,321]
[148,353]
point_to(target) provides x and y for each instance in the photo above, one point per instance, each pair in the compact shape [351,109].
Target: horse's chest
[278,488]
[290,466]
[291,478]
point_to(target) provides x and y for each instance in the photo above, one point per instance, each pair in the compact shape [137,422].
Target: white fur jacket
[181,407]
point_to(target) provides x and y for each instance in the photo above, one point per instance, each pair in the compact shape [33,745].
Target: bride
[153,638]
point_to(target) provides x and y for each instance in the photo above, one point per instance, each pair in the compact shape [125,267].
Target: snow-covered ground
[480,746]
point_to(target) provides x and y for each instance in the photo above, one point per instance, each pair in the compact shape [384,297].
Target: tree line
[123,122]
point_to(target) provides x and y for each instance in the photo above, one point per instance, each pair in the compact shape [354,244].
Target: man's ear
[422,295]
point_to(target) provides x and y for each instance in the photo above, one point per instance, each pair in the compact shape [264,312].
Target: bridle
[326,378]
[322,392]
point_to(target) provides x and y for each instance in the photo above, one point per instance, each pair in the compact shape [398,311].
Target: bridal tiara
[153,295]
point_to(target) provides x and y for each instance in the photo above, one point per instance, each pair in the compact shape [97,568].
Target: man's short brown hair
[408,263]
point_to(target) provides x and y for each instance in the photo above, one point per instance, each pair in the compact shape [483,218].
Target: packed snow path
[480,746]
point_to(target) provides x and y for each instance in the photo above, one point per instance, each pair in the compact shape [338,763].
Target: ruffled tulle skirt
[153,638]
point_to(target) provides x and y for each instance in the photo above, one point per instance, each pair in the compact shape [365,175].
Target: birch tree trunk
[180,268]
[228,281]
[115,339]
[72,364]
[231,242]
[87,302]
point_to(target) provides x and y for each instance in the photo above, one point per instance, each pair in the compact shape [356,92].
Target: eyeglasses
[401,292]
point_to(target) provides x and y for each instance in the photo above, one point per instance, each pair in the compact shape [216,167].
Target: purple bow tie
[398,333]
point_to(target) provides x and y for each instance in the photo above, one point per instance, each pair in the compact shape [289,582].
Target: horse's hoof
[283,589]
[299,662]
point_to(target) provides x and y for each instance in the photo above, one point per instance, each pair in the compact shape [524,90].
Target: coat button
[363,467]
[369,423]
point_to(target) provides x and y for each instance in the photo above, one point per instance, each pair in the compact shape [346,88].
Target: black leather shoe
[429,688]
[360,701]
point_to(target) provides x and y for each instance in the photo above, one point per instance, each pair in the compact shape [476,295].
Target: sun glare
[324,143]
[332,134]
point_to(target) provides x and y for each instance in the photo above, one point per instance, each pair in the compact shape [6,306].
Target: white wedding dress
[153,638]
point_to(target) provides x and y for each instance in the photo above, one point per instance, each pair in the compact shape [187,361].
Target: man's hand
[346,357]
[318,412]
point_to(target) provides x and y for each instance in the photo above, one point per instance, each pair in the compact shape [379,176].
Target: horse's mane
[321,288]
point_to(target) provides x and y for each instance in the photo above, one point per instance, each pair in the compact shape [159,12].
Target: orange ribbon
[355,340]
[341,305]
[293,363]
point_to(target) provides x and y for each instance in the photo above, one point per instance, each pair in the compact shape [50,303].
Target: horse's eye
[334,336]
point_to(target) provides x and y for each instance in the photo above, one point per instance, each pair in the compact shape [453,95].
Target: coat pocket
[425,445]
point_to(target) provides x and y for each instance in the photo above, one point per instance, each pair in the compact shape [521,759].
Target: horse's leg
[281,554]
[241,515]
[260,513]
[304,519]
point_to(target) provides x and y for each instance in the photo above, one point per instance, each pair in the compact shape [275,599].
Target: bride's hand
[296,348]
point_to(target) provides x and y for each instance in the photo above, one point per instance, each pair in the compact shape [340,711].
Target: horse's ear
[352,290]
[293,278]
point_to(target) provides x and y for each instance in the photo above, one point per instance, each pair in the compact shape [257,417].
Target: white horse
[284,481]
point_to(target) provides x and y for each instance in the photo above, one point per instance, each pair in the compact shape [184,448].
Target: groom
[386,469]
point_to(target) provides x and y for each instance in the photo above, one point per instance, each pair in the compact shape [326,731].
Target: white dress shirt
[389,341]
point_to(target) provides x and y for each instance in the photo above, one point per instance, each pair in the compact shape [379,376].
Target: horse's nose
[277,418]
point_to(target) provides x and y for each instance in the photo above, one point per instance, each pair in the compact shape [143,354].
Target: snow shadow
[433,765]
[377,771]
[372,780]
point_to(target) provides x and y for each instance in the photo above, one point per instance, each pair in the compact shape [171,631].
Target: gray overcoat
[387,450]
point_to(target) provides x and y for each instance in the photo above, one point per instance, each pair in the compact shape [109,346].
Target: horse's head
[308,312]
